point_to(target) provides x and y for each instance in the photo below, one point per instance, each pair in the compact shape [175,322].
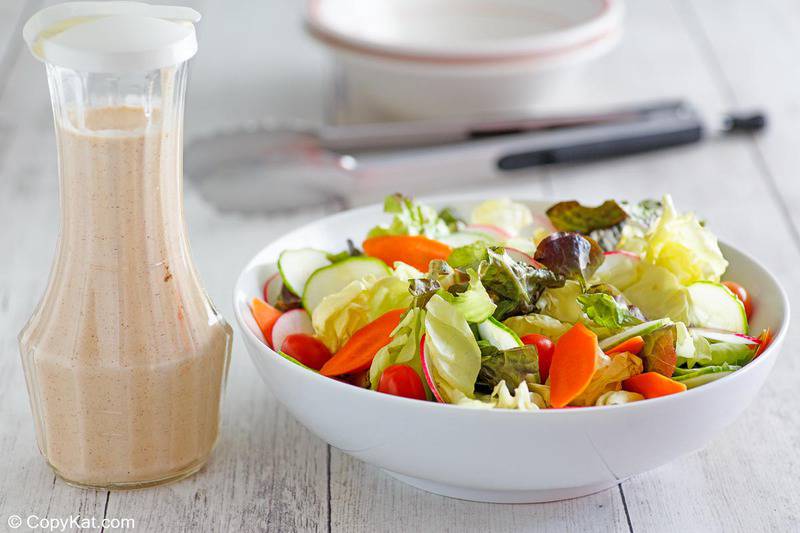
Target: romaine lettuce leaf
[537,323]
[503,213]
[402,349]
[341,314]
[451,349]
[683,246]
[410,218]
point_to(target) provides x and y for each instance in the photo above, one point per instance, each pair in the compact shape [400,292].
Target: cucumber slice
[335,277]
[296,266]
[463,238]
[634,331]
[498,335]
[713,305]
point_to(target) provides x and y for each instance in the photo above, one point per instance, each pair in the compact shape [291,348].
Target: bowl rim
[602,26]
[770,352]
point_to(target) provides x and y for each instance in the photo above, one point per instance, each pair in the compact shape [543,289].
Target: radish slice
[725,336]
[294,321]
[521,257]
[427,371]
[630,255]
[498,233]
[272,289]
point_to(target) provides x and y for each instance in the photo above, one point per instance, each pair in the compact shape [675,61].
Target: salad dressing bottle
[125,358]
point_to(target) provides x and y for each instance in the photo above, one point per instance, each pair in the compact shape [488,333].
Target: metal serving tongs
[283,164]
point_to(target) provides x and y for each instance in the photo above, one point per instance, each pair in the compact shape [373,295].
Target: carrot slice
[652,385]
[633,345]
[357,353]
[765,339]
[573,364]
[415,250]
[265,316]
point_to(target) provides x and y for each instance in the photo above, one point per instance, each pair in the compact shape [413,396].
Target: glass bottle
[125,357]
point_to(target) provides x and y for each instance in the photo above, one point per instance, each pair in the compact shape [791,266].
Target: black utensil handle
[622,142]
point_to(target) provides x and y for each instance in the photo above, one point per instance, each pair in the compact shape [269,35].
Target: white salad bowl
[411,59]
[503,455]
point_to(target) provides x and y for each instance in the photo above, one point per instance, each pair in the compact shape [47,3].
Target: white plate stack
[410,59]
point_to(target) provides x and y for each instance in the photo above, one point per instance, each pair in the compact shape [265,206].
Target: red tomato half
[306,349]
[402,380]
[544,347]
[742,294]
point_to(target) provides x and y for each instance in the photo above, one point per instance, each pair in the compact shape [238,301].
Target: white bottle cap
[112,36]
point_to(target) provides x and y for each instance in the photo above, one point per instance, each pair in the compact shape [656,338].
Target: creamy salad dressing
[125,356]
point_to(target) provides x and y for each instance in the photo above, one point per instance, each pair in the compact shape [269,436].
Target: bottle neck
[120,164]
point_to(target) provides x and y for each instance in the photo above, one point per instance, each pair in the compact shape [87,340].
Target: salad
[508,309]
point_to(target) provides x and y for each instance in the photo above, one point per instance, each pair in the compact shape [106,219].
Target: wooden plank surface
[268,472]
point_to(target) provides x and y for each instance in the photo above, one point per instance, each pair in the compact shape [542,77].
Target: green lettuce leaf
[658,293]
[683,246]
[561,303]
[512,366]
[352,251]
[731,353]
[450,349]
[537,323]
[410,218]
[515,287]
[503,213]
[605,311]
[471,299]
[402,349]
[570,255]
[700,376]
[469,255]
[342,313]
[454,222]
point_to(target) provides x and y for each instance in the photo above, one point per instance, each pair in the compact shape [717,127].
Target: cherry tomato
[544,347]
[742,294]
[402,380]
[306,349]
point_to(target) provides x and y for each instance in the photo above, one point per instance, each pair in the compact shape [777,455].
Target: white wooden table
[268,472]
